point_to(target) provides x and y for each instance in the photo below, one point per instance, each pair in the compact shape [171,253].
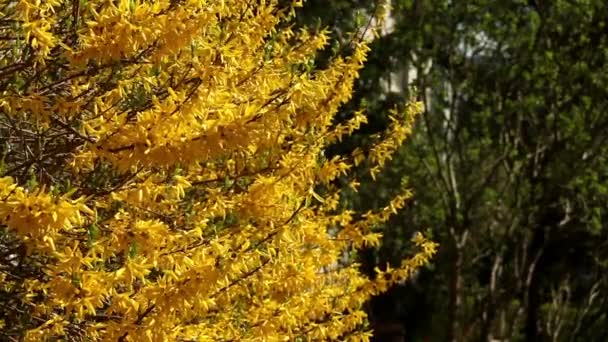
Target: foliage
[507,163]
[159,168]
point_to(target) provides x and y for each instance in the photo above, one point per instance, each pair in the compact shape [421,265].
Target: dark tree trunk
[531,328]
[455,301]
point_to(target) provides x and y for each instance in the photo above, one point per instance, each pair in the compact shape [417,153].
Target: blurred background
[508,164]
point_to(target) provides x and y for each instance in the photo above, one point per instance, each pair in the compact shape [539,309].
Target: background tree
[163,176]
[506,163]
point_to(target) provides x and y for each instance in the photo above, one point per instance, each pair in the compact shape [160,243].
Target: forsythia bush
[162,175]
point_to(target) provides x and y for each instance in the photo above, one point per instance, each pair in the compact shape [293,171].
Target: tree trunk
[531,329]
[455,301]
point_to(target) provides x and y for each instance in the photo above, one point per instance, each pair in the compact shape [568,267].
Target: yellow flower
[192,134]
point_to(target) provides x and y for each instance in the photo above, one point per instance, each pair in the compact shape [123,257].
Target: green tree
[507,164]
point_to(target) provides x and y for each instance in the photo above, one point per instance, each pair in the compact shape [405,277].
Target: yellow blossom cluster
[161,160]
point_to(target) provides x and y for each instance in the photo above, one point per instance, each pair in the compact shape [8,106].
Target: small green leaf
[133,249]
